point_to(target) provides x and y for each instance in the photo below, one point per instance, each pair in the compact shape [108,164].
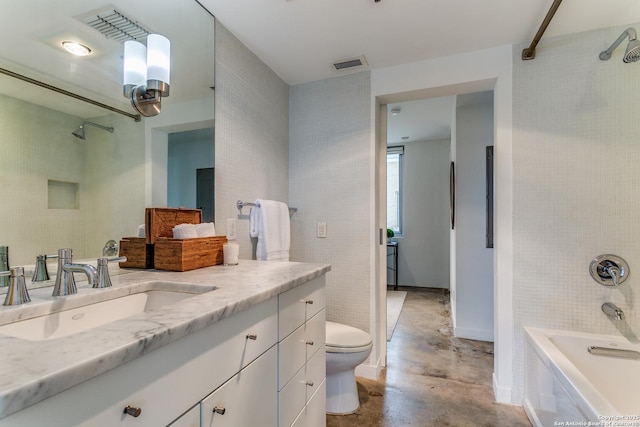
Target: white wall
[329,170]
[252,134]
[474,266]
[576,157]
[188,151]
[423,256]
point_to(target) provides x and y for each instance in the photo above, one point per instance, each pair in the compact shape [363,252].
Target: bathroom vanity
[244,348]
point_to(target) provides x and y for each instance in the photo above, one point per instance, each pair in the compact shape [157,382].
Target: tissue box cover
[159,222]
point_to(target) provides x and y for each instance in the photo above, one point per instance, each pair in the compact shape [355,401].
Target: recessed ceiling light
[76,48]
[395,111]
[404,138]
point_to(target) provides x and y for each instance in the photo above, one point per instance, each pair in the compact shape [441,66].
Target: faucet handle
[104,280]
[17,292]
[40,272]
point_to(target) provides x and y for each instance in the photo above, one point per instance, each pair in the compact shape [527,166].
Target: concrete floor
[432,378]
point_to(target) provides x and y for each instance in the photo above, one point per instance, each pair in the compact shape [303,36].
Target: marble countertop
[31,371]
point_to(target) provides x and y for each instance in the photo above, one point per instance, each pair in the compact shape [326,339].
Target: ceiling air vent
[116,26]
[350,64]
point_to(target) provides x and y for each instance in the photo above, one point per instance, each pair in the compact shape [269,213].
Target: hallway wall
[423,250]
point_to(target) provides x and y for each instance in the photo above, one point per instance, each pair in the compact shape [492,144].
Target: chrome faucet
[103,279]
[65,283]
[612,311]
[17,293]
[4,266]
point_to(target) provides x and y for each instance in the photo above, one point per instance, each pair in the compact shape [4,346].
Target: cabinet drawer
[195,365]
[315,333]
[316,410]
[299,304]
[248,399]
[291,399]
[189,419]
[316,371]
[292,354]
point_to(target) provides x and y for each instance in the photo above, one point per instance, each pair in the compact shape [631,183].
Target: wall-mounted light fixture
[146,73]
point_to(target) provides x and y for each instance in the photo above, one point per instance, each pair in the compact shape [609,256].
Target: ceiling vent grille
[350,64]
[116,26]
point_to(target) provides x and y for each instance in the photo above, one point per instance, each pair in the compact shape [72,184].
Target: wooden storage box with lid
[167,253]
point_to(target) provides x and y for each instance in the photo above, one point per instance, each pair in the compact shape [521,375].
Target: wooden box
[188,254]
[139,254]
[159,222]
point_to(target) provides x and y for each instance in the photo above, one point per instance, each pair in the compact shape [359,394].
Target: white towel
[185,231]
[270,223]
[206,229]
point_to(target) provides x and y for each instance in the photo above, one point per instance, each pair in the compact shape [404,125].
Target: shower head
[79,133]
[631,54]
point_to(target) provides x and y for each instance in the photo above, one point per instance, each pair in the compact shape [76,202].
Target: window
[395,155]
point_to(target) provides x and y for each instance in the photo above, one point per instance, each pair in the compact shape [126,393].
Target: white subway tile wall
[330,181]
[576,155]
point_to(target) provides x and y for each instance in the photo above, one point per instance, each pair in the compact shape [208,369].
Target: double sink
[92,308]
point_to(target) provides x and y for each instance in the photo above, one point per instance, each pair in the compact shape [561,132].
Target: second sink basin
[113,306]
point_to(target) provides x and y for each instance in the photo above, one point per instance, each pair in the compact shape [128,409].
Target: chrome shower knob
[609,270]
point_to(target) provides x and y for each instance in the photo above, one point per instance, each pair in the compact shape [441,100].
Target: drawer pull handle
[309,342]
[252,337]
[219,410]
[132,410]
[309,301]
[310,383]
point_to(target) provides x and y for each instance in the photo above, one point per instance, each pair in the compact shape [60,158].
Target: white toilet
[346,347]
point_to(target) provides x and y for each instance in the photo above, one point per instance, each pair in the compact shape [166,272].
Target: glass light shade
[135,64]
[158,58]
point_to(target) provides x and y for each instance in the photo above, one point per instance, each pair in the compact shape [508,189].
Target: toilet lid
[343,336]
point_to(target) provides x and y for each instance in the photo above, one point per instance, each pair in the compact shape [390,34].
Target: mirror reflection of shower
[79,133]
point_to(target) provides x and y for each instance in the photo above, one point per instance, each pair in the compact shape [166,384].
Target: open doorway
[432,251]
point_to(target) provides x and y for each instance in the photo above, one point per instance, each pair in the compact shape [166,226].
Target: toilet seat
[346,339]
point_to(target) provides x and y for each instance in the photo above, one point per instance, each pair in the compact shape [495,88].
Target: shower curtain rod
[530,52]
[135,117]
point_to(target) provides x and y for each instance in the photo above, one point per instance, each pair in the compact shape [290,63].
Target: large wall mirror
[61,191]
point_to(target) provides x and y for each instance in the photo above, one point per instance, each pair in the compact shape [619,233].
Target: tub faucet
[65,283]
[612,311]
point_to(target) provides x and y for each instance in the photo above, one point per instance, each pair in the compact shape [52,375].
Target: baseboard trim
[370,371]
[502,394]
[473,334]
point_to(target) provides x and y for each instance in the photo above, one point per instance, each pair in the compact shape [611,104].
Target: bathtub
[567,385]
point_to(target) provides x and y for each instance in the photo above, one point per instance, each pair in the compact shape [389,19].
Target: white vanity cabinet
[301,356]
[165,383]
[264,366]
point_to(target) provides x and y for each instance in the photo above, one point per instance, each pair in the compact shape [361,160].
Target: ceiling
[301,39]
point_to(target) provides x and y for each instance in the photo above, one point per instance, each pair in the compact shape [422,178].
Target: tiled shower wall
[330,182]
[576,159]
[251,133]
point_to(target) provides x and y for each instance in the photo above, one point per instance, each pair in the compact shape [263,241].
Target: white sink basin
[113,306]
